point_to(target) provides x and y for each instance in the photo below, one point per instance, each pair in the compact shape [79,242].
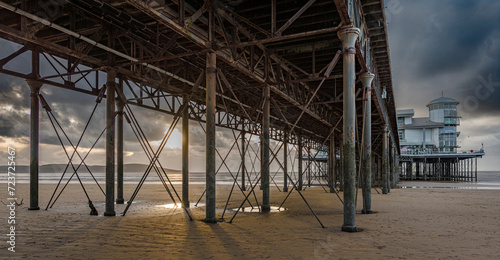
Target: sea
[487,180]
[222,178]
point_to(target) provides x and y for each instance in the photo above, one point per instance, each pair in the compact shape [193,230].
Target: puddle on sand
[257,209]
[178,205]
[124,203]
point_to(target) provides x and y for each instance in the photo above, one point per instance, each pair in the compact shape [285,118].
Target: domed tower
[444,110]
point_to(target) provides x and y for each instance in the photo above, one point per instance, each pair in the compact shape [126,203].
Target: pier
[313,76]
[440,167]
[429,146]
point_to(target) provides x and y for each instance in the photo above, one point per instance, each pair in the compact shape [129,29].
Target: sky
[449,47]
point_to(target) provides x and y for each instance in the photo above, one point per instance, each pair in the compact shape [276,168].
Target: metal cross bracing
[279,69]
[293,89]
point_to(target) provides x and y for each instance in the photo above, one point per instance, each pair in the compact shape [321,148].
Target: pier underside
[305,78]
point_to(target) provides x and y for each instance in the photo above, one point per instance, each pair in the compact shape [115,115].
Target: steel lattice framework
[276,59]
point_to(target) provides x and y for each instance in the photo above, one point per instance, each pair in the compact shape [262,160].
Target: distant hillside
[54,168]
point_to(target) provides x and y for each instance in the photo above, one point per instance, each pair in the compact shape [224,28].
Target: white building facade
[434,134]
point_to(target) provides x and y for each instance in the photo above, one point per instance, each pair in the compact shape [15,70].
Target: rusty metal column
[341,172]
[385,161]
[185,152]
[348,36]
[210,138]
[393,168]
[309,166]
[389,161]
[299,168]
[417,168]
[119,148]
[285,164]
[110,143]
[243,168]
[34,133]
[266,206]
[367,79]
[210,81]
[475,171]
[331,164]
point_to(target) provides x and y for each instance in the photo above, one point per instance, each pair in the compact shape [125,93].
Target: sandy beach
[408,224]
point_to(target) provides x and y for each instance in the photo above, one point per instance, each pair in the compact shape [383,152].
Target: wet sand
[408,224]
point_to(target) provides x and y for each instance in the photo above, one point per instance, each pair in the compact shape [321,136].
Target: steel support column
[210,138]
[389,161]
[110,144]
[119,148]
[393,167]
[285,163]
[266,206]
[475,170]
[341,172]
[243,167]
[331,164]
[366,79]
[309,166]
[34,140]
[385,161]
[185,152]
[299,168]
[348,36]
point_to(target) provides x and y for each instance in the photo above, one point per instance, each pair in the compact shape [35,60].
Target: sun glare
[174,142]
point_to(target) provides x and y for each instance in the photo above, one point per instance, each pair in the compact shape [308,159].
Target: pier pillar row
[366,79]
[348,35]
[110,143]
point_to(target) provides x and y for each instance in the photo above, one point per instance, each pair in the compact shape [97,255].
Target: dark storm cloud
[482,97]
[72,110]
[14,101]
[457,36]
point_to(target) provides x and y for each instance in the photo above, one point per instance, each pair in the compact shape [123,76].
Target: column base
[285,189]
[368,211]
[186,204]
[265,208]
[110,214]
[34,208]
[350,229]
[210,220]
[120,201]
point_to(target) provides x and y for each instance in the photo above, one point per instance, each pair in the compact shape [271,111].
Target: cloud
[450,47]
[444,46]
